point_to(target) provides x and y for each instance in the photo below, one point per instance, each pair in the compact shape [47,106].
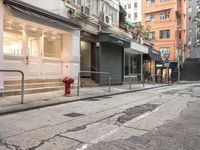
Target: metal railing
[134,75]
[22,82]
[95,72]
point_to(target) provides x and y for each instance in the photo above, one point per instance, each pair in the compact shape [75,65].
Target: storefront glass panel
[132,64]
[33,43]
[126,64]
[52,46]
[12,41]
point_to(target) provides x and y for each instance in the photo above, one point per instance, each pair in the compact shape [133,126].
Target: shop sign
[88,36]
[165,53]
[155,52]
[159,65]
[166,63]
[120,42]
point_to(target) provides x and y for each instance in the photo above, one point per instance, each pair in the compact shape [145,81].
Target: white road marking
[101,138]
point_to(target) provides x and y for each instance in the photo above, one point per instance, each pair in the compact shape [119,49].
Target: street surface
[166,118]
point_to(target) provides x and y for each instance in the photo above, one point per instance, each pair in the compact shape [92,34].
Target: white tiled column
[71,54]
[1,43]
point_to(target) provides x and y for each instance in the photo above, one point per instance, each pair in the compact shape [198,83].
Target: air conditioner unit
[85,10]
[107,19]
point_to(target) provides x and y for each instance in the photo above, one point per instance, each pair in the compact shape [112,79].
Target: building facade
[193,6]
[133,9]
[61,38]
[41,43]
[167,28]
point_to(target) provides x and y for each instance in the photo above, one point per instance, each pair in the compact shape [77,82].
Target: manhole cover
[73,114]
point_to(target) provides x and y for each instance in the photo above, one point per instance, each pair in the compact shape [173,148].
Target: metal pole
[141,67]
[143,81]
[168,74]
[179,73]
[154,82]
[129,81]
[22,82]
[22,87]
[109,81]
[78,84]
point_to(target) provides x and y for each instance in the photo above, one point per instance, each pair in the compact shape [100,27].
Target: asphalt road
[166,118]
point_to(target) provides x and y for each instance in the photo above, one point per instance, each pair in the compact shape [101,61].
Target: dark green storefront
[110,57]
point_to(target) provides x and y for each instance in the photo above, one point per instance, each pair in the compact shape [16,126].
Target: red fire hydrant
[68,81]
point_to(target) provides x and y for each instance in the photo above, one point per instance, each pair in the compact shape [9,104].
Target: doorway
[85,58]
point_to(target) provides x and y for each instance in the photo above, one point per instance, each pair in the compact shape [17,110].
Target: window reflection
[52,46]
[33,43]
[12,42]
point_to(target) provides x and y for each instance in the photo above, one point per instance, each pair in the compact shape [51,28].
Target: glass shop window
[33,43]
[12,41]
[52,45]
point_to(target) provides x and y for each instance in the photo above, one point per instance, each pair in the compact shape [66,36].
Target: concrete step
[30,91]
[32,85]
[31,81]
[88,82]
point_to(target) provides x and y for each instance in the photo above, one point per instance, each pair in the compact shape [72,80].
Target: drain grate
[73,115]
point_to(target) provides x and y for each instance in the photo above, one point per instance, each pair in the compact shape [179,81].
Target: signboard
[166,63]
[165,53]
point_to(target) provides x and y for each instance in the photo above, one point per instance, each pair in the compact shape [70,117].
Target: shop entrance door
[85,58]
[33,54]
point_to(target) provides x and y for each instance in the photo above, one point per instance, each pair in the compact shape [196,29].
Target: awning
[107,37]
[43,16]
[136,48]
[152,55]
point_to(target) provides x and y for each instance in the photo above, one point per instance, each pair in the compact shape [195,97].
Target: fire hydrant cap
[68,80]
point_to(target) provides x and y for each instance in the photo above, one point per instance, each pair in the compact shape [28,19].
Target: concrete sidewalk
[12,104]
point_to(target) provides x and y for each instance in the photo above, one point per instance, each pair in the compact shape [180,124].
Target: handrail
[134,74]
[95,72]
[22,82]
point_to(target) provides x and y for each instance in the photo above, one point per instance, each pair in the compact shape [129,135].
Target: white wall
[132,10]
[71,54]
[55,6]
[1,43]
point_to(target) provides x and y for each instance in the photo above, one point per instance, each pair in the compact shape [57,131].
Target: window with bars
[165,15]
[164,34]
[150,2]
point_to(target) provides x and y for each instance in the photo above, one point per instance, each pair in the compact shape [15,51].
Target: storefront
[150,60]
[40,43]
[110,57]
[133,61]
[88,54]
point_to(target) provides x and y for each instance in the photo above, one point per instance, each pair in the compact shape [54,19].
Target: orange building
[166,19]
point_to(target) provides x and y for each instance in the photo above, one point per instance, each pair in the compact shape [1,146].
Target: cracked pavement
[163,118]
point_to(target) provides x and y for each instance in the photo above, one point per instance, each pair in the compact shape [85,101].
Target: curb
[37,106]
